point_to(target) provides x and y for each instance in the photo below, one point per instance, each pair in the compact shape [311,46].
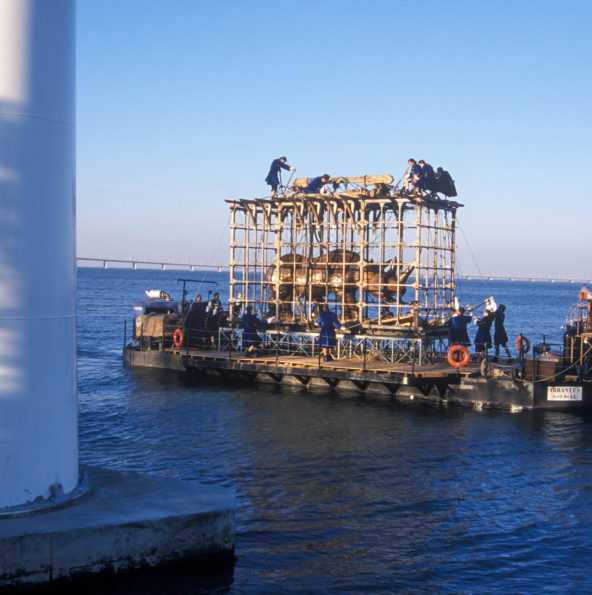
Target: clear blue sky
[184,103]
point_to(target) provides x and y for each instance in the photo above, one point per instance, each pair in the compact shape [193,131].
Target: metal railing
[391,349]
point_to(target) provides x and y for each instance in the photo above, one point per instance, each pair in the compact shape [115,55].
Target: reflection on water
[348,494]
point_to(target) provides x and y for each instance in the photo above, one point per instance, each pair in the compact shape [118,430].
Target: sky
[183,104]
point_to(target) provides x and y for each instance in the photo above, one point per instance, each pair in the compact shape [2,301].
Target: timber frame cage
[382,261]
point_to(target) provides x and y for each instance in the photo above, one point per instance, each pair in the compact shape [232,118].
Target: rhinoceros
[335,272]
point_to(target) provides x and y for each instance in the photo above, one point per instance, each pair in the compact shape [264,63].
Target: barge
[383,262]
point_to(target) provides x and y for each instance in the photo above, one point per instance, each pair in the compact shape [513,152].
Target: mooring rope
[483,281]
[217,248]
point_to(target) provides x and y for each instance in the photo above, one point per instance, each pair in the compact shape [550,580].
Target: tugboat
[159,324]
[566,378]
[152,316]
[558,379]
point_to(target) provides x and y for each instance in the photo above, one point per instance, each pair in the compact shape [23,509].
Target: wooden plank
[361,180]
[313,370]
[356,193]
[437,372]
[266,207]
[365,180]
[301,183]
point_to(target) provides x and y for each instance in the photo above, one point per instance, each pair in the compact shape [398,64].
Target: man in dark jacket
[457,328]
[500,337]
[316,184]
[194,323]
[273,177]
[445,183]
[251,339]
[483,336]
[427,177]
[412,175]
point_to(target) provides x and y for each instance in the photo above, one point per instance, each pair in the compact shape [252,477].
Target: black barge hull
[434,383]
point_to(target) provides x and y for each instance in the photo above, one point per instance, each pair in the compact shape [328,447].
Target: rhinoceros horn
[403,274]
[392,265]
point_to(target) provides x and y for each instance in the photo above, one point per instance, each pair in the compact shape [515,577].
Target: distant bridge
[142,264]
[120,263]
[531,278]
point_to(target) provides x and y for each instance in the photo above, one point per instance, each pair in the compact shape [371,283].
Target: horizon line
[165,265]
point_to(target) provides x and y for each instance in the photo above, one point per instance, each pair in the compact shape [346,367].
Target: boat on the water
[383,262]
[167,337]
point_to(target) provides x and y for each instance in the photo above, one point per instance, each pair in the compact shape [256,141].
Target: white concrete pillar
[38,416]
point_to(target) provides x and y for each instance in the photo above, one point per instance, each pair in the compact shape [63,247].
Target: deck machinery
[577,338]
[381,259]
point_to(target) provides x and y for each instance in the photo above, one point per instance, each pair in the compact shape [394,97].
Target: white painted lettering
[564,393]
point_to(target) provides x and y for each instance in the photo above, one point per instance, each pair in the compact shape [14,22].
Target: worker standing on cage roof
[427,178]
[445,183]
[412,174]
[315,186]
[273,177]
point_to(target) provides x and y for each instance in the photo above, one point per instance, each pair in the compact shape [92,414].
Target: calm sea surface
[349,494]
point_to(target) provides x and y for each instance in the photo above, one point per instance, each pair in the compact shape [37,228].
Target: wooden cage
[383,261]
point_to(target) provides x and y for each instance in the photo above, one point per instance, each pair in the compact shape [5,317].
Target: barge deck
[496,387]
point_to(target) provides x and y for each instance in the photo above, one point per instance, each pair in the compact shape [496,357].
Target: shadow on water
[184,578]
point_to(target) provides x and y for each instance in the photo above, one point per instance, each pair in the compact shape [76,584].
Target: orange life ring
[522,344]
[178,337]
[452,356]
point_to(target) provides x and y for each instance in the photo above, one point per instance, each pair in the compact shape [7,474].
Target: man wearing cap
[273,177]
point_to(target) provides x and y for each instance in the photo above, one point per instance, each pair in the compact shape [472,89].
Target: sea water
[341,493]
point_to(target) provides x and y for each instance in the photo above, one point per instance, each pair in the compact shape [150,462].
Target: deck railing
[418,349]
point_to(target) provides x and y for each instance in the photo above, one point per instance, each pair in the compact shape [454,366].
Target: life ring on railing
[178,337]
[452,356]
[522,344]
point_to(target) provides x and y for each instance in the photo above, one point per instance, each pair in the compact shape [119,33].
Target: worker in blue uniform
[251,339]
[412,175]
[315,186]
[500,337]
[328,322]
[457,328]
[273,177]
[483,336]
[194,322]
[427,177]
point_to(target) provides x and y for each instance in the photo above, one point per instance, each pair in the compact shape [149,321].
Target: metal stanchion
[277,342]
[364,349]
